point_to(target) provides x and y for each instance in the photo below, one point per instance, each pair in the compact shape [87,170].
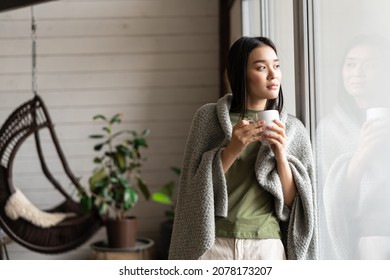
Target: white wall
[156,61]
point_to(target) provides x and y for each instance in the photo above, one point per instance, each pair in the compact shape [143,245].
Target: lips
[357,83]
[273,86]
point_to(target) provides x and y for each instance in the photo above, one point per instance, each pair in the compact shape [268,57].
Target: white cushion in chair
[18,206]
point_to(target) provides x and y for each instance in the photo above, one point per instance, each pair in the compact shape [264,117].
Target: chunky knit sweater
[202,192]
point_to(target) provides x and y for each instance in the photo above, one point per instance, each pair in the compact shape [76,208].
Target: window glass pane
[251,19]
[353,127]
[282,33]
[274,19]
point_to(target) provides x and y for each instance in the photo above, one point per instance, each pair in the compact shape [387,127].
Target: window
[339,52]
[348,52]
[274,19]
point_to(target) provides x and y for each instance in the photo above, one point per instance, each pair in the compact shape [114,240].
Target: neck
[257,105]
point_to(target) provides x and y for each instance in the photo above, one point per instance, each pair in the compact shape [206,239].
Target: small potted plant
[166,196]
[116,183]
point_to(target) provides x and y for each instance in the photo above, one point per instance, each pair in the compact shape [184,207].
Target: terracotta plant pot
[121,233]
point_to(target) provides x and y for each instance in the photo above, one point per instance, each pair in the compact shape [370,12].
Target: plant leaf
[114,180]
[97,160]
[101,117]
[145,133]
[117,118]
[130,198]
[86,203]
[96,136]
[162,198]
[124,150]
[97,176]
[177,170]
[120,161]
[116,134]
[98,147]
[143,188]
[102,208]
[140,142]
[107,129]
[124,182]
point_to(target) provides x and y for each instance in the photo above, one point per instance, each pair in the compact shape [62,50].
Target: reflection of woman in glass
[353,156]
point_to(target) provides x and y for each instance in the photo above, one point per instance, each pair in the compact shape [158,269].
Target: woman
[235,192]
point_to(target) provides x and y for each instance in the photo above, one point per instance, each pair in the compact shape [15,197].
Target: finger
[280,124]
[275,145]
[276,137]
[242,123]
[245,124]
[277,130]
[258,124]
[258,128]
[256,138]
[253,129]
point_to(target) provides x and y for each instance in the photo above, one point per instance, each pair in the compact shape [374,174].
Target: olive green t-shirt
[251,212]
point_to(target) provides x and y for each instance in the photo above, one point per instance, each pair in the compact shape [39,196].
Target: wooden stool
[143,250]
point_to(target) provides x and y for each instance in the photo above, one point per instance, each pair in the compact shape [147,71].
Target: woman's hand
[277,138]
[244,132]
[373,150]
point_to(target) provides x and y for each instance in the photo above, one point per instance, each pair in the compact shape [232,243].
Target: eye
[350,65]
[261,68]
[371,65]
[277,66]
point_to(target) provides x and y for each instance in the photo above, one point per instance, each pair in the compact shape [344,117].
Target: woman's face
[263,77]
[362,72]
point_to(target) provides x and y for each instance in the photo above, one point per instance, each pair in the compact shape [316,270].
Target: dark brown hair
[237,71]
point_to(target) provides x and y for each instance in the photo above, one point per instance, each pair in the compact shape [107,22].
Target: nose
[271,74]
[358,70]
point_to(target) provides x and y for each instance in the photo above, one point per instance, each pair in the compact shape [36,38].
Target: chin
[273,95]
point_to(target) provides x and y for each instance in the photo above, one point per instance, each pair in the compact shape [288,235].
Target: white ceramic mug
[378,113]
[268,116]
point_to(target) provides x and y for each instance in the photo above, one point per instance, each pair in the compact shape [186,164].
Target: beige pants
[245,249]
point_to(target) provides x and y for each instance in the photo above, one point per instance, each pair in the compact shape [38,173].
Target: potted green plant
[116,183]
[166,196]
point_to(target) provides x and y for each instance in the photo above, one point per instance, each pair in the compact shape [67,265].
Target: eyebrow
[264,61]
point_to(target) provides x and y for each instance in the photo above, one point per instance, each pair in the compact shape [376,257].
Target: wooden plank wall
[155,61]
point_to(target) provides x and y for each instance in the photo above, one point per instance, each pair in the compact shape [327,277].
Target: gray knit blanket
[202,193]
